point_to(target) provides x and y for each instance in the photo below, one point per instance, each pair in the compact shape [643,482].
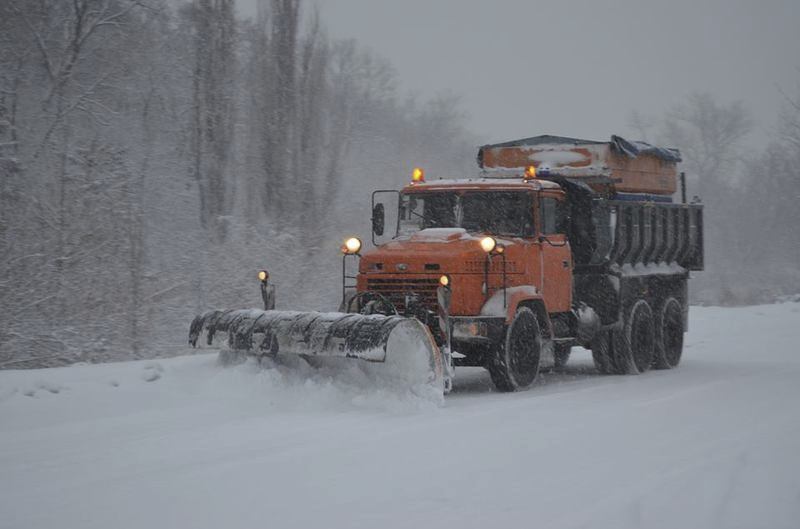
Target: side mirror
[378,219]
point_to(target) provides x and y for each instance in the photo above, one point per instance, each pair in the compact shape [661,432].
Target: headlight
[351,246]
[488,244]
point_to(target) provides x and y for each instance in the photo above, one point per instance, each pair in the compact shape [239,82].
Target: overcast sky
[578,67]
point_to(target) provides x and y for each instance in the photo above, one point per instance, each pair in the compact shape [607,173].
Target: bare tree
[780,167]
[213,128]
[789,120]
[301,131]
[75,201]
[709,135]
[278,155]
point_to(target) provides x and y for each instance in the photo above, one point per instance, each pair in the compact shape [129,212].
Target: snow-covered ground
[185,443]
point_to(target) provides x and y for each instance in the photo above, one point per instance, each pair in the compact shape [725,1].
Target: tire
[602,353]
[669,335]
[515,363]
[561,355]
[634,346]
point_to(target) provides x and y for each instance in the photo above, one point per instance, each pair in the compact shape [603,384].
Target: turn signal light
[530,172]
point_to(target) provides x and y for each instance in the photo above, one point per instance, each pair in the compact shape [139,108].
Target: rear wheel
[515,363]
[669,335]
[634,346]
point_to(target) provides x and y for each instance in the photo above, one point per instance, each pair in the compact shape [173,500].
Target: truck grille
[396,290]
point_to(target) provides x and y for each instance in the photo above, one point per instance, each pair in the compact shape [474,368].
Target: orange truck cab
[512,269]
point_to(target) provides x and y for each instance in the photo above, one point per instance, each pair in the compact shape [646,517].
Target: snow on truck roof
[482,184]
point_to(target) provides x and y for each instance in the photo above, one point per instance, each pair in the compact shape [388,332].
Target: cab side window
[553,215]
[547,215]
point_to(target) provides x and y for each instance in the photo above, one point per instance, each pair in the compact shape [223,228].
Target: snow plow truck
[559,242]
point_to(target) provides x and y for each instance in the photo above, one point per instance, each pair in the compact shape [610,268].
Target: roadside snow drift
[187,443]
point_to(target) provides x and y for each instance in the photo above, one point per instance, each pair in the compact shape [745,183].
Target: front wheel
[515,363]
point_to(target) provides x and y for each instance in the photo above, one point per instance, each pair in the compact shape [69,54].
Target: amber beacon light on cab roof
[559,242]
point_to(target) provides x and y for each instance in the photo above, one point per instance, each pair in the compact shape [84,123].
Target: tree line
[154,155]
[750,192]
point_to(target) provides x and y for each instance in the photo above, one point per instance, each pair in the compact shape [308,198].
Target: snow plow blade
[398,350]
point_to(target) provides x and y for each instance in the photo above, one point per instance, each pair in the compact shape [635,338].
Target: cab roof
[481,184]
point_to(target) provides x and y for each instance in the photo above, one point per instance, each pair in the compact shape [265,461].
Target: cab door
[555,253]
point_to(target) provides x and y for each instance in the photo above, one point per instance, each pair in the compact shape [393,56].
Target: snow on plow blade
[398,350]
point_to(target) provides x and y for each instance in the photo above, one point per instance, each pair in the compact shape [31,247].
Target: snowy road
[184,443]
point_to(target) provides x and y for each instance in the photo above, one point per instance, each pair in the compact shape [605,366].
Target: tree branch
[39,41]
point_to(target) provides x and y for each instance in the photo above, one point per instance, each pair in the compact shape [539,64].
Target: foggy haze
[578,68]
[265,221]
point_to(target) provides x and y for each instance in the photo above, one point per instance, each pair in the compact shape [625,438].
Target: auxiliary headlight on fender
[351,246]
[488,244]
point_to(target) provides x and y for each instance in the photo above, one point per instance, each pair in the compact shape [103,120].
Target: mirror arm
[543,238]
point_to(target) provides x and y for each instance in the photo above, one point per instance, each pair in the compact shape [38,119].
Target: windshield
[498,212]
